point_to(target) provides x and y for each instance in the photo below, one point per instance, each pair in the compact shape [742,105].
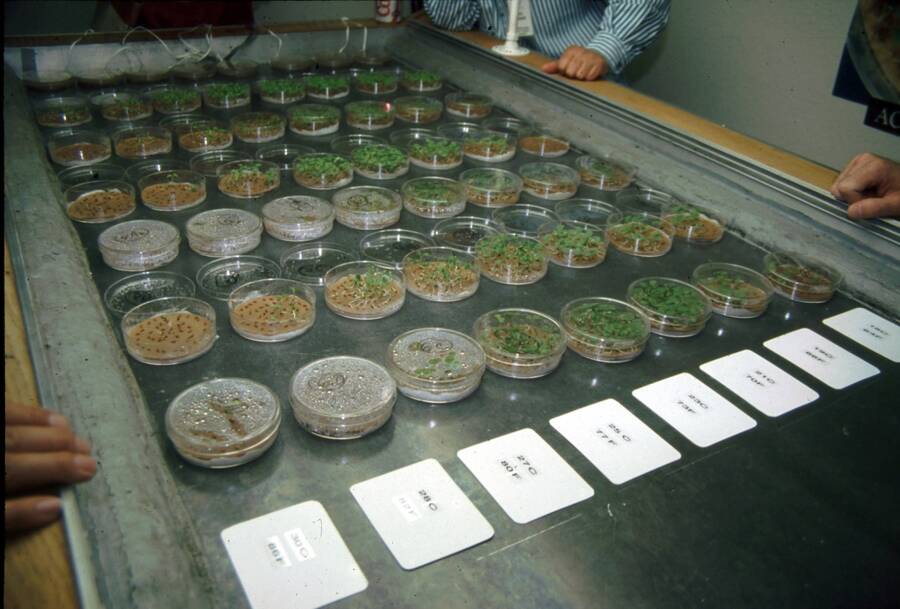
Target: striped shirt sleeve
[627,28]
[453,14]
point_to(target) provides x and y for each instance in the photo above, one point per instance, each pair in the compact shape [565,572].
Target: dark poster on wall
[869,71]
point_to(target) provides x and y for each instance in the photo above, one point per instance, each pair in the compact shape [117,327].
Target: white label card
[615,441]
[421,514]
[815,354]
[762,384]
[871,331]
[295,557]
[700,414]
[525,475]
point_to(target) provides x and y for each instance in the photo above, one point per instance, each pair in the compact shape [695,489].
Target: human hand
[41,451]
[871,185]
[579,63]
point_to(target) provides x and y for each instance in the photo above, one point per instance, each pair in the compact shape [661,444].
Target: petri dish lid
[308,263]
[507,124]
[218,278]
[527,220]
[458,130]
[293,63]
[361,199]
[436,356]
[551,329]
[404,137]
[142,169]
[101,171]
[391,246]
[219,224]
[48,80]
[176,123]
[103,98]
[345,144]
[490,179]
[129,292]
[718,278]
[136,236]
[549,174]
[282,154]
[208,163]
[612,322]
[463,232]
[298,209]
[195,70]
[589,211]
[222,415]
[343,391]
[801,272]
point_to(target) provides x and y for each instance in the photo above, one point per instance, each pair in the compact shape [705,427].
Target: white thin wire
[72,46]
[365,38]
[152,33]
[278,38]
[345,21]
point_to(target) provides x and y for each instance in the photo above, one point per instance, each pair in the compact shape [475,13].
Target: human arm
[871,185]
[453,14]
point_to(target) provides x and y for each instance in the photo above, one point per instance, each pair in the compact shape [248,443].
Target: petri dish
[733,290]
[282,155]
[468,105]
[643,199]
[543,145]
[248,179]
[343,397]
[463,232]
[172,190]
[575,244]
[675,309]
[62,112]
[202,135]
[434,197]
[402,138]
[588,211]
[440,274]
[641,234]
[298,218]
[391,246]
[800,278]
[418,110]
[169,331]
[549,181]
[367,207]
[240,69]
[520,343]
[123,106]
[292,63]
[148,75]
[142,169]
[604,172]
[489,146]
[421,81]
[327,87]
[281,90]
[346,144]
[99,201]
[436,365]
[194,71]
[527,220]
[322,171]
[223,232]
[369,115]
[223,422]
[258,127]
[491,187]
[511,259]
[693,224]
[142,142]
[139,245]
[272,310]
[313,119]
[171,100]
[376,82]
[98,79]
[219,277]
[208,163]
[364,290]
[604,329]
[90,173]
[47,80]
[457,130]
[309,263]
[226,95]
[128,292]
[507,124]
[435,153]
[77,147]
[380,162]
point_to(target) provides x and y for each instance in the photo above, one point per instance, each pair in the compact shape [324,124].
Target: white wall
[764,68]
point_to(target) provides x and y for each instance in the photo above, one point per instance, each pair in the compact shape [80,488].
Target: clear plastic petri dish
[147,167]
[62,112]
[223,232]
[76,147]
[434,197]
[435,153]
[99,201]
[208,163]
[511,259]
[524,219]
[604,329]
[292,64]
[298,218]
[203,135]
[369,115]
[133,290]
[248,179]
[313,119]
[402,138]
[282,155]
[272,310]
[223,422]
[800,278]
[309,263]
[367,207]
[380,162]
[644,199]
[468,105]
[543,145]
[642,234]
[194,71]
[693,224]
[346,144]
[575,244]
[419,110]
[675,309]
[139,245]
[457,130]
[147,75]
[342,398]
[440,274]
[392,245]
[364,290]
[733,290]
[239,69]
[219,277]
[47,80]
[121,106]
[90,173]
[376,83]
[142,142]
[327,86]
[172,190]
[436,365]
[258,127]
[322,171]
[520,343]
[281,90]
[226,95]
[588,211]
[370,61]
[169,331]
[507,124]
[491,187]
[421,81]
[463,232]
[604,172]
[169,100]
[99,79]
[549,181]
[489,146]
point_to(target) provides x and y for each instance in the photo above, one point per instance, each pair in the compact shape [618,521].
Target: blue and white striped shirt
[617,29]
